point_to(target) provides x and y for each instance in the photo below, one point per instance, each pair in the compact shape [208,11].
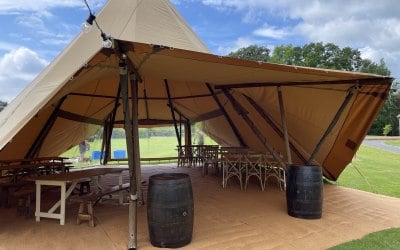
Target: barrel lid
[169,176]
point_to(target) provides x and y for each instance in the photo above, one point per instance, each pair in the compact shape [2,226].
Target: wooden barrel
[170,210]
[304,191]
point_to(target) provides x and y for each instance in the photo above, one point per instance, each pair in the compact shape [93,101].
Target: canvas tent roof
[77,93]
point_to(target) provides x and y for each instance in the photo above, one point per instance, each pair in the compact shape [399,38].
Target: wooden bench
[148,159]
[88,201]
[7,187]
[25,197]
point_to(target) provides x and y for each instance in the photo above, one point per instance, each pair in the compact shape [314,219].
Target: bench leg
[28,207]
[90,212]
[83,216]
[80,211]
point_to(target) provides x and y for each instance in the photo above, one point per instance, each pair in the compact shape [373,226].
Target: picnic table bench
[89,200]
[13,169]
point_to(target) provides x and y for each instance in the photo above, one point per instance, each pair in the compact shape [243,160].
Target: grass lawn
[393,142]
[386,239]
[154,147]
[379,168]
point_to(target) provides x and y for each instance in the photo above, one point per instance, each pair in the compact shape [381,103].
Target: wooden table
[15,168]
[62,180]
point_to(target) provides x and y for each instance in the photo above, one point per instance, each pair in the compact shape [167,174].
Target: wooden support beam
[170,104]
[154,98]
[335,119]
[180,113]
[188,133]
[275,127]
[110,128]
[243,113]
[124,81]
[34,149]
[284,125]
[79,118]
[120,49]
[104,139]
[146,103]
[207,116]
[135,136]
[370,81]
[227,117]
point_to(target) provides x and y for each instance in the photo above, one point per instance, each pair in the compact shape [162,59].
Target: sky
[34,32]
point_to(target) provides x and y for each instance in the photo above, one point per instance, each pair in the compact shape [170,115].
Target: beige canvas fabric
[80,86]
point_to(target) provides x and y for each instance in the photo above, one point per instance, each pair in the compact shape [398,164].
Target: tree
[253,52]
[318,55]
[330,56]
[2,105]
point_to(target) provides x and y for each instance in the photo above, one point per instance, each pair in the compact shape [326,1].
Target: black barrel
[170,210]
[304,191]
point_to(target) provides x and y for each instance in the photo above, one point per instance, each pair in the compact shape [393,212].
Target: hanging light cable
[87,26]
[107,41]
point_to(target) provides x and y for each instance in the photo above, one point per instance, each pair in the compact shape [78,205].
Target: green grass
[379,168]
[154,147]
[377,171]
[393,142]
[386,239]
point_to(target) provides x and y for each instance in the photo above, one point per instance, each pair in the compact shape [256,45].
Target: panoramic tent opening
[327,113]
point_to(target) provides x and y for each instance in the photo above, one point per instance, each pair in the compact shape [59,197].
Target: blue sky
[34,32]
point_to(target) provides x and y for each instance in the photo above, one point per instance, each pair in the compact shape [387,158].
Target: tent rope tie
[369,184]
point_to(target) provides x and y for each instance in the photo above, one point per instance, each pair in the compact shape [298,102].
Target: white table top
[79,174]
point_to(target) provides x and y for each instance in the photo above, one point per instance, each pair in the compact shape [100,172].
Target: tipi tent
[313,116]
[237,100]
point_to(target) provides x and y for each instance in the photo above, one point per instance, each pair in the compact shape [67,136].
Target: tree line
[331,56]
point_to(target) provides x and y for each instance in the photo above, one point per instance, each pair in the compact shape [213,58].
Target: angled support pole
[277,130]
[228,119]
[109,129]
[284,125]
[243,113]
[335,119]
[178,136]
[188,133]
[45,130]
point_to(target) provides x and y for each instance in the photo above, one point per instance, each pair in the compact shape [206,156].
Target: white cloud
[7,6]
[271,32]
[17,68]
[366,25]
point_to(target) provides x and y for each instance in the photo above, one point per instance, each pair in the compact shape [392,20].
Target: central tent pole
[123,71]
[135,135]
